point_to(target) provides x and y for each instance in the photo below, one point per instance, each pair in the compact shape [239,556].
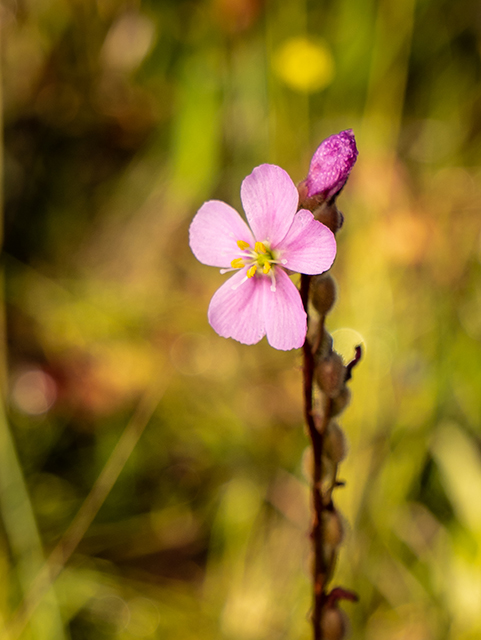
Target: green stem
[64,549]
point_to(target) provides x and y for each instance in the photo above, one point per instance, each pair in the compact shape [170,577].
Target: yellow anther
[237,263]
[267,267]
[242,244]
[260,248]
[251,271]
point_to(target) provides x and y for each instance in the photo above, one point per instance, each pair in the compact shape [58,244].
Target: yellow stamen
[238,263]
[267,267]
[251,271]
[260,248]
[242,244]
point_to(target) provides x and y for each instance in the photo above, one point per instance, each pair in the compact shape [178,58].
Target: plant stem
[316,434]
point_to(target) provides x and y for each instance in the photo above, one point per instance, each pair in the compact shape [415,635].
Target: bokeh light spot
[111,612]
[144,617]
[34,392]
[128,41]
[304,65]
[190,354]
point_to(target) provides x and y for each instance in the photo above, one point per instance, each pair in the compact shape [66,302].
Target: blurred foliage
[121,118]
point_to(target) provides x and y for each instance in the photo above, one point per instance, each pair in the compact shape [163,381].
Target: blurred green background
[120,119]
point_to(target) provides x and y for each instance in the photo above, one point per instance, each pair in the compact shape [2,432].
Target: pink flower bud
[331,165]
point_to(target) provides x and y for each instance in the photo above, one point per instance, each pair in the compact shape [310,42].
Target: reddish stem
[316,434]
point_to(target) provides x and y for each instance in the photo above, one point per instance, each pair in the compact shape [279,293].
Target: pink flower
[260,298]
[331,164]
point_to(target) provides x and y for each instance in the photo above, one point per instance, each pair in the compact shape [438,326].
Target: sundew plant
[292,229]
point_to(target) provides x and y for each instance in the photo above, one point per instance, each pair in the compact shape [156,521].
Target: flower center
[261,256]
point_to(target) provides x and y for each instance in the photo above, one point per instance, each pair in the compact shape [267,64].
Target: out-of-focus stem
[89,509]
[15,506]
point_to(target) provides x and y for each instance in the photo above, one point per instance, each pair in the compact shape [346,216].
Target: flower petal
[270,200]
[237,308]
[309,246]
[331,164]
[285,318]
[214,233]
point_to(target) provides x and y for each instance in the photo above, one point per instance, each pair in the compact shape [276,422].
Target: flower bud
[333,624]
[340,402]
[331,165]
[333,529]
[323,292]
[325,346]
[335,446]
[329,215]
[307,466]
[331,374]
[313,333]
[321,344]
[303,199]
[311,204]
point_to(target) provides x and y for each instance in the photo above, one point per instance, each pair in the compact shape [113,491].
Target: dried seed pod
[323,293]
[333,528]
[325,348]
[333,624]
[340,402]
[335,446]
[320,340]
[307,466]
[330,374]
[313,332]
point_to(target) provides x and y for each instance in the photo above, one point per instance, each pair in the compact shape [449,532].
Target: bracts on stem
[324,369]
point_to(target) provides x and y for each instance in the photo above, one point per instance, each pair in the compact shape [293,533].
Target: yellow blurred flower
[304,65]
